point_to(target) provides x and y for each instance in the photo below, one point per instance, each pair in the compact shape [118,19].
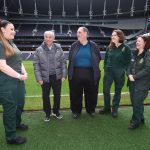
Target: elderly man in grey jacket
[50,70]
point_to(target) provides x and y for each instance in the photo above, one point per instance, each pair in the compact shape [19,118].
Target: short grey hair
[51,32]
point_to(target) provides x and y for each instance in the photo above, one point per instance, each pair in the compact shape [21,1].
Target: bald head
[84,29]
[49,37]
[82,34]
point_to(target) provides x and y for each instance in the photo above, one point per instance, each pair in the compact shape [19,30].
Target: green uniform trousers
[12,94]
[118,77]
[137,99]
[20,101]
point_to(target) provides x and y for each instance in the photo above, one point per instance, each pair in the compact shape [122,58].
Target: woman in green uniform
[139,79]
[12,90]
[116,61]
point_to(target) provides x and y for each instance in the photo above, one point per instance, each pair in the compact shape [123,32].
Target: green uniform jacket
[140,69]
[118,57]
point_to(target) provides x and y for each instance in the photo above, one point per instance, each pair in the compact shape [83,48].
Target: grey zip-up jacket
[42,66]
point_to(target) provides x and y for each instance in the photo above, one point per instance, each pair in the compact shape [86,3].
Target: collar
[140,55]
[121,44]
[45,47]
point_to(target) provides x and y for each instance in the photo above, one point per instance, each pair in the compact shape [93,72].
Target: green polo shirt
[13,61]
[118,57]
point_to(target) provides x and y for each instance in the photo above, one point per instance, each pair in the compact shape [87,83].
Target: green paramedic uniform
[140,69]
[12,93]
[115,64]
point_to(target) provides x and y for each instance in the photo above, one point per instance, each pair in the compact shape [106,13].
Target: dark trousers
[56,87]
[12,100]
[137,99]
[118,77]
[83,81]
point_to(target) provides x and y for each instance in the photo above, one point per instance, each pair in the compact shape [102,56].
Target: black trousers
[56,87]
[83,81]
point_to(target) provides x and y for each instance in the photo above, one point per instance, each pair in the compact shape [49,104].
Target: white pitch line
[67,95]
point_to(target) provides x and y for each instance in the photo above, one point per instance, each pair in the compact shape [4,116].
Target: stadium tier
[32,18]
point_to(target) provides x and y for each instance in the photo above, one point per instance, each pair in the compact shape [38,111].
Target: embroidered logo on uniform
[141,60]
[123,49]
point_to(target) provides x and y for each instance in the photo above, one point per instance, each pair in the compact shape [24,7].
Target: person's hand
[23,77]
[131,78]
[40,82]
[25,74]
[63,79]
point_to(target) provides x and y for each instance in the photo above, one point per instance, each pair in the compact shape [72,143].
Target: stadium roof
[77,9]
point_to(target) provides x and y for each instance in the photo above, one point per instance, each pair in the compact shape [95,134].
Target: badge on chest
[123,49]
[141,60]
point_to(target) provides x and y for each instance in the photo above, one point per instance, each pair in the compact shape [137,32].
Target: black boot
[104,111]
[22,127]
[18,140]
[114,113]
[133,126]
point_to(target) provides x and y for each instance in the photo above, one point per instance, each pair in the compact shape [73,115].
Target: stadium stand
[65,16]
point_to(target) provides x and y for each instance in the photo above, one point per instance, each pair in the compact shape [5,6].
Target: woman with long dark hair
[12,90]
[116,61]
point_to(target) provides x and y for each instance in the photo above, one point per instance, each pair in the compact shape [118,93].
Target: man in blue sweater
[83,73]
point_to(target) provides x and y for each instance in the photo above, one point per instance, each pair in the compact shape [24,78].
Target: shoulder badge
[123,49]
[141,61]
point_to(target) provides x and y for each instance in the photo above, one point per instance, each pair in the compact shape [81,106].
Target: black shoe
[23,127]
[114,114]
[104,111]
[133,126]
[58,115]
[92,114]
[18,140]
[75,115]
[142,121]
[47,119]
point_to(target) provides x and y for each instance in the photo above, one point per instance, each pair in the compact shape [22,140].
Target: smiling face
[8,31]
[114,38]
[81,34]
[140,43]
[49,38]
